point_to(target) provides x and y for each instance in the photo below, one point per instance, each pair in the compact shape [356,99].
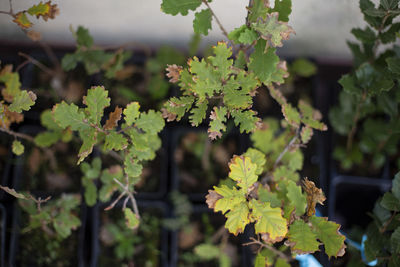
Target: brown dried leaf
[113,119]
[75,91]
[314,196]
[13,192]
[167,115]
[34,35]
[174,73]
[211,198]
[125,73]
[189,236]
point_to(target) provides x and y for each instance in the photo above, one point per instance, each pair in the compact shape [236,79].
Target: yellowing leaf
[227,198]
[23,101]
[17,148]
[268,221]
[22,20]
[328,233]
[302,239]
[12,83]
[237,218]
[132,220]
[243,171]
[44,10]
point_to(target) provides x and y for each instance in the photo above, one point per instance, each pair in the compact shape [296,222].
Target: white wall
[322,26]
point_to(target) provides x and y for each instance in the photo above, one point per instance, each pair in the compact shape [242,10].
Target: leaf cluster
[94,59]
[367,110]
[383,233]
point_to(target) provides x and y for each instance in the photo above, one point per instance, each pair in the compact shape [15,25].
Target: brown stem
[218,22]
[383,229]
[271,248]
[288,146]
[19,135]
[38,64]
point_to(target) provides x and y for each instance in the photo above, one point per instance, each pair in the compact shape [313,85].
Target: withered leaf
[211,198]
[34,35]
[314,196]
[113,119]
[174,73]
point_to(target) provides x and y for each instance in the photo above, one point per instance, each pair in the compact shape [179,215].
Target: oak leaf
[314,196]
[173,72]
[113,119]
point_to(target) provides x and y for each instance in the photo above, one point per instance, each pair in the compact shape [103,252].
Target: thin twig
[19,135]
[6,12]
[271,248]
[38,64]
[11,7]
[131,197]
[218,22]
[383,229]
[115,201]
[288,146]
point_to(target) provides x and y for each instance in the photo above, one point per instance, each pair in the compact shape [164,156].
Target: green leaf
[47,139]
[389,36]
[366,36]
[263,64]
[96,100]
[257,157]
[303,68]
[268,221]
[348,83]
[69,116]
[83,37]
[247,120]
[272,30]
[69,61]
[390,202]
[375,12]
[131,113]
[328,233]
[174,7]
[396,186]
[22,101]
[207,251]
[260,260]
[243,172]
[284,8]
[131,219]
[46,119]
[115,141]
[176,108]
[292,116]
[202,22]
[296,197]
[394,64]
[150,122]
[395,241]
[88,137]
[265,195]
[64,223]
[132,168]
[90,191]
[302,239]
[248,36]
[17,148]
[218,118]
[281,263]
[235,34]
[220,60]
[259,9]
[198,113]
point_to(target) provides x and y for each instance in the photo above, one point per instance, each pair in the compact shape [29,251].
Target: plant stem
[218,22]
[19,135]
[271,248]
[38,64]
[288,146]
[350,136]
